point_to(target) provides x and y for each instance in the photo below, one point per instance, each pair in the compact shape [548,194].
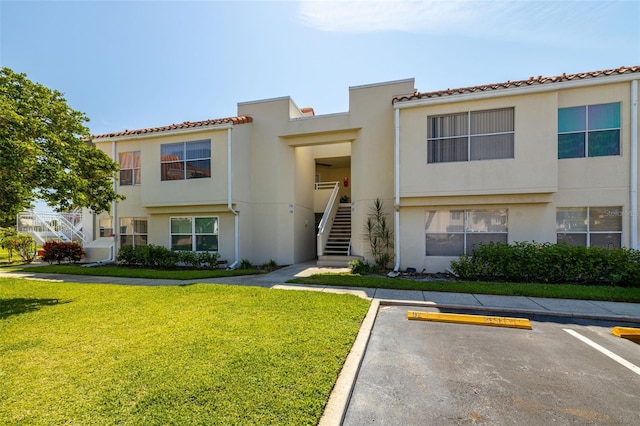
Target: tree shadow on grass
[21,305]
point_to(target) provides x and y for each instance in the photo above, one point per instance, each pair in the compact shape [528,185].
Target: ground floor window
[590,226]
[106,227]
[456,232]
[133,231]
[194,233]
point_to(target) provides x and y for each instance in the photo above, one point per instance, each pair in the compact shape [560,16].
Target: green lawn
[116,271]
[4,257]
[202,354]
[559,291]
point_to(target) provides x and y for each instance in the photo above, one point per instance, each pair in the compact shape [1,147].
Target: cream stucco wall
[531,186]
[532,170]
[599,181]
[274,167]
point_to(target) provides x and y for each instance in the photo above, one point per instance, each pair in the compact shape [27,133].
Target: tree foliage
[45,152]
[23,244]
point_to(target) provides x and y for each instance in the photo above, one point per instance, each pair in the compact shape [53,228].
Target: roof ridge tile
[510,84]
[184,125]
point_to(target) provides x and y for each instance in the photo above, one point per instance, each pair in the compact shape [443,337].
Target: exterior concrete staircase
[338,247]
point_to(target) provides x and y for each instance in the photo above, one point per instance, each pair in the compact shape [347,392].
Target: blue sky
[137,64]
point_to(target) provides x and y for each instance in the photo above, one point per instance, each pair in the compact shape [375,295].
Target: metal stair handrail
[327,218]
[63,229]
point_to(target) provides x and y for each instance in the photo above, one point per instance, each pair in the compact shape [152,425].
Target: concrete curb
[336,407]
[338,403]
[622,318]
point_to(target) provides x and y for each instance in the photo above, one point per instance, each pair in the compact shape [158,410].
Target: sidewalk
[628,312]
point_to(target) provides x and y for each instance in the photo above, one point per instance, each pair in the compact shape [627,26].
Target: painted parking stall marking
[604,351]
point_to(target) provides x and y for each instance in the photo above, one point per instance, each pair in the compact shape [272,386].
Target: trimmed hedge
[153,256]
[58,251]
[552,263]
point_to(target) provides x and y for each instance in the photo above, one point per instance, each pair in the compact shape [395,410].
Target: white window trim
[185,160]
[470,135]
[586,130]
[588,231]
[134,234]
[133,169]
[465,232]
[193,229]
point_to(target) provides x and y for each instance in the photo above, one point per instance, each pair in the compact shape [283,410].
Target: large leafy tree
[45,152]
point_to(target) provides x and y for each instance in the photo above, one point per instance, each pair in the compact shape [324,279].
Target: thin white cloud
[531,20]
[361,16]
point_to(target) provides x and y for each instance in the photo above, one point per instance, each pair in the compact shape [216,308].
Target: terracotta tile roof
[308,112]
[513,84]
[186,125]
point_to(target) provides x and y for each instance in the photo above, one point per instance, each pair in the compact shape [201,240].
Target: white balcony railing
[45,226]
[324,228]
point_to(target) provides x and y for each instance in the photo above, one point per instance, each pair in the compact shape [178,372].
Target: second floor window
[185,160]
[470,136]
[130,168]
[589,131]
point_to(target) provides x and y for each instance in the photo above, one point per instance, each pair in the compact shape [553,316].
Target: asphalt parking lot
[433,373]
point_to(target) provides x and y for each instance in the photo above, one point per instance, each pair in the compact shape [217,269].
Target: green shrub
[360,267]
[269,266]
[153,256]
[207,259]
[188,258]
[149,256]
[245,264]
[553,263]
[128,255]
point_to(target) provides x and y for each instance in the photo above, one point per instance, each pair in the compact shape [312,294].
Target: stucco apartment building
[545,159]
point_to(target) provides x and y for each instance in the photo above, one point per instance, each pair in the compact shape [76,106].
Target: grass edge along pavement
[126,272]
[202,354]
[557,291]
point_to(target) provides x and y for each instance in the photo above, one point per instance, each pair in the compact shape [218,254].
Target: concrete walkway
[629,312]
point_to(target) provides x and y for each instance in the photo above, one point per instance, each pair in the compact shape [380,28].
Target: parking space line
[604,350]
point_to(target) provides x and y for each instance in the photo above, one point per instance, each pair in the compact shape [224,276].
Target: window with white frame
[130,168]
[589,226]
[194,233]
[185,160]
[133,231]
[456,232]
[471,136]
[106,227]
[589,131]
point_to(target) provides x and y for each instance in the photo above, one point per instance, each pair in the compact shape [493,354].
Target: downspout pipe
[396,203]
[230,201]
[114,225]
[634,165]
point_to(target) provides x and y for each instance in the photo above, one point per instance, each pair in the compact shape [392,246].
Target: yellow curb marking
[626,332]
[470,319]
